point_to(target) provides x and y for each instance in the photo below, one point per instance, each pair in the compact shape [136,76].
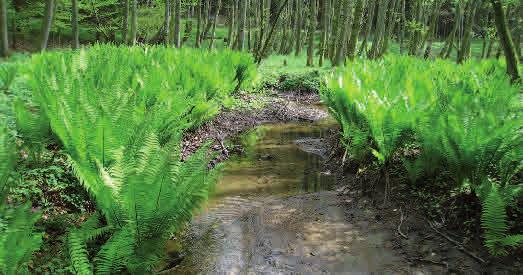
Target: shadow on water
[273,212]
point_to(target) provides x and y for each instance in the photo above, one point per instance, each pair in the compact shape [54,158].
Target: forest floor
[342,229]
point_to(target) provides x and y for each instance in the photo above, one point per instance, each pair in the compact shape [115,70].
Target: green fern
[494,218]
[17,239]
[120,113]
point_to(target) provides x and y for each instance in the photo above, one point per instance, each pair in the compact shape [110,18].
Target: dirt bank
[275,107]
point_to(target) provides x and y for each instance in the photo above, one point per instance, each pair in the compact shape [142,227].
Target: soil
[277,107]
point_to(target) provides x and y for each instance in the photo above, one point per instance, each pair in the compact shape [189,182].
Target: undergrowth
[439,118]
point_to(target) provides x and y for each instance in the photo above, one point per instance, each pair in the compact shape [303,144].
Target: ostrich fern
[17,239]
[466,121]
[120,113]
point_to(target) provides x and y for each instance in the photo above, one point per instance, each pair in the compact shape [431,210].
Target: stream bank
[259,224]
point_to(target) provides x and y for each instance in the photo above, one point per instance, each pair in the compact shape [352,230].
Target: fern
[17,239]
[120,113]
[494,219]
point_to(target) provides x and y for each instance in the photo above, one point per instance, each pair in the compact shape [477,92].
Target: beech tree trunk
[343,31]
[464,51]
[47,23]
[506,40]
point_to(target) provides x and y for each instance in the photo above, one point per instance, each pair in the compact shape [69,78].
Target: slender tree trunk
[325,31]
[312,29]
[198,23]
[232,16]
[368,27]
[380,29]
[337,5]
[447,48]
[356,29]
[47,23]
[215,20]
[464,52]
[242,23]
[267,42]
[4,47]
[134,22]
[177,23]
[384,47]
[343,31]
[167,23]
[74,24]
[300,20]
[403,24]
[125,20]
[506,40]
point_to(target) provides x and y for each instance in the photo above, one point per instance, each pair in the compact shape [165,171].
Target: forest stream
[275,211]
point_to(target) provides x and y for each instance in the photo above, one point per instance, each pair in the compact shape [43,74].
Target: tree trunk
[325,31]
[177,23]
[242,25]
[125,21]
[447,48]
[403,24]
[215,20]
[337,5]
[299,14]
[343,31]
[134,21]
[506,40]
[74,24]
[267,42]
[232,16]
[4,47]
[167,23]
[356,29]
[464,52]
[380,29]
[312,29]
[198,23]
[368,27]
[384,47]
[47,23]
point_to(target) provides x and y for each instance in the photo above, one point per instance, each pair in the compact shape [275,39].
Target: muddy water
[274,211]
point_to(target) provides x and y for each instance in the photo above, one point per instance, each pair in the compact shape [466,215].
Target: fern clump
[120,113]
[463,120]
[17,237]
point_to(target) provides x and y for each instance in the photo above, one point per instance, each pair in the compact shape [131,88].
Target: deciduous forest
[261,136]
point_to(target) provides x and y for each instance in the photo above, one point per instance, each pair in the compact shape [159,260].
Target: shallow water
[274,211]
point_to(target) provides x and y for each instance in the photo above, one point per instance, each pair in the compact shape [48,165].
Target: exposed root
[457,244]
[402,218]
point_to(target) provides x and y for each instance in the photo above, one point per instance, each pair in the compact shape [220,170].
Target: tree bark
[215,20]
[167,23]
[242,25]
[125,21]
[134,21]
[368,27]
[4,47]
[464,51]
[384,47]
[380,29]
[267,42]
[506,40]
[312,29]
[325,31]
[356,29]
[74,24]
[232,16]
[177,23]
[47,23]
[299,12]
[343,31]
